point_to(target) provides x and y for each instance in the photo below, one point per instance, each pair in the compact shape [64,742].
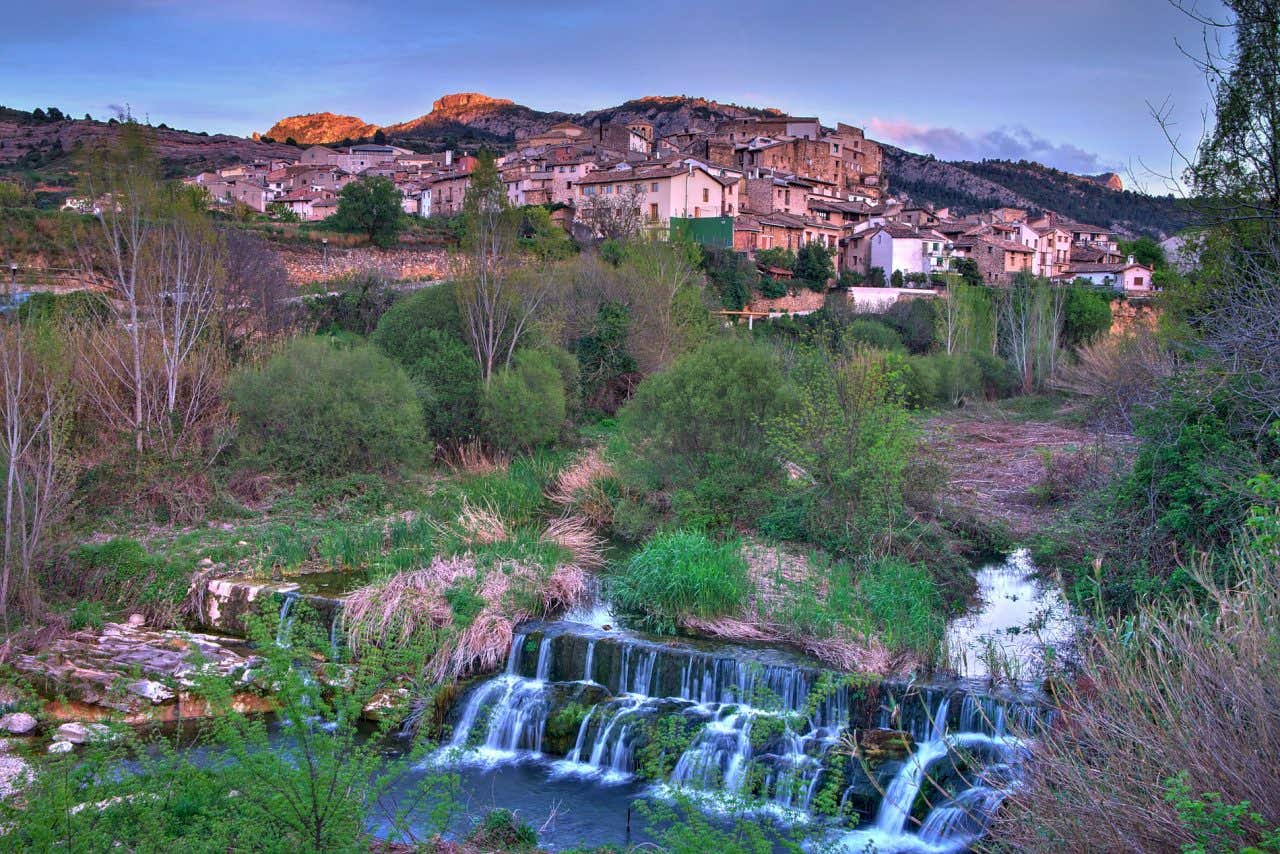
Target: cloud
[1010,142]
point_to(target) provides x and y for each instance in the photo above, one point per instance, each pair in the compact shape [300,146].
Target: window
[653,188]
[653,212]
[706,194]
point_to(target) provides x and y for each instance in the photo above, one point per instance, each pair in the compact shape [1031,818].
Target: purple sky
[1064,83]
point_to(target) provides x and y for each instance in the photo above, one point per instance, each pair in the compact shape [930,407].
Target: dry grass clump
[579,487]
[475,459]
[471,602]
[770,616]
[481,525]
[1120,373]
[1175,690]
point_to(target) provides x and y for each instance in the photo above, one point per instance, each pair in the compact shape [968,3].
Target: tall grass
[679,575]
[1169,740]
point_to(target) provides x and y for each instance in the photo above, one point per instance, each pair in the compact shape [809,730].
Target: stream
[587,721]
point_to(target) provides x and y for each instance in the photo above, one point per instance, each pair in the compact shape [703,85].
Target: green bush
[997,377]
[446,379]
[681,574]
[315,409]
[1086,314]
[704,414]
[922,381]
[958,377]
[524,405]
[873,333]
[916,321]
[414,326]
[771,288]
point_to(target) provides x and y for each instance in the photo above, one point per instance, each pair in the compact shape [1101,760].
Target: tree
[875,277]
[814,265]
[1086,314]
[153,372]
[1145,251]
[895,280]
[617,216]
[371,206]
[255,285]
[487,300]
[379,137]
[968,270]
[35,411]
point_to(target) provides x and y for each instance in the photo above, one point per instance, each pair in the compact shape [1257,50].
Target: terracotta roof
[1103,268]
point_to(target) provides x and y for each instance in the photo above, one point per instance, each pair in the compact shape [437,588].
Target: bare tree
[34,408]
[255,286]
[617,216]
[150,370]
[500,301]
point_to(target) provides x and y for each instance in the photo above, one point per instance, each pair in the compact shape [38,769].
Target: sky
[1068,84]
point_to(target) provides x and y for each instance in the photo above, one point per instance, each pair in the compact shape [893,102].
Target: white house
[896,246]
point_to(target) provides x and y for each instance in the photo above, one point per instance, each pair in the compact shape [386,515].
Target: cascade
[285,626]
[757,725]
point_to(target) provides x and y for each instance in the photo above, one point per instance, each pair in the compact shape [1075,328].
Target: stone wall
[306,263]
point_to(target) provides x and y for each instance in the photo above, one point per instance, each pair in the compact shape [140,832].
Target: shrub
[1086,314]
[916,321]
[873,333]
[681,574]
[705,413]
[998,378]
[895,280]
[414,326]
[524,405]
[501,830]
[771,288]
[922,381]
[446,380]
[316,409]
[958,377]
[1150,679]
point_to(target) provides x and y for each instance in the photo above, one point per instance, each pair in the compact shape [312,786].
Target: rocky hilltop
[314,128]
[499,120]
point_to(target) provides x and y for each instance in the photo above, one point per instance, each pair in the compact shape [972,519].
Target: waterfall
[758,726]
[285,626]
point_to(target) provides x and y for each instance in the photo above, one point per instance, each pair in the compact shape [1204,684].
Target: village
[754,184]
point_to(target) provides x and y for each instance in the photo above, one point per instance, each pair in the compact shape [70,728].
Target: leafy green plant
[315,409]
[524,406]
[681,574]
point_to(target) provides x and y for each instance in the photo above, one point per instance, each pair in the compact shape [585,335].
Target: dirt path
[995,462]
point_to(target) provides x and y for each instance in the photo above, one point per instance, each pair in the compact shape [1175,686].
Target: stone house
[664,190]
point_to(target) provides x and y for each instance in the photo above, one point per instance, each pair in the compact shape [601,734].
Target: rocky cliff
[499,120]
[314,128]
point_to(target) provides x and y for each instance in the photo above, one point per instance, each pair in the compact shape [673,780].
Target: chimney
[448,157]
[1129,260]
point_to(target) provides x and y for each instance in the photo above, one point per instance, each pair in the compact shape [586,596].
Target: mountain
[498,122]
[319,127]
[970,186]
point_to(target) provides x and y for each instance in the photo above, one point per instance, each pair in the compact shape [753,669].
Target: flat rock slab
[131,669]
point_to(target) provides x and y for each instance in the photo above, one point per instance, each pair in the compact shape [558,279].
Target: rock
[80,733]
[879,745]
[148,690]
[61,747]
[14,773]
[10,697]
[18,723]
[205,563]
[137,620]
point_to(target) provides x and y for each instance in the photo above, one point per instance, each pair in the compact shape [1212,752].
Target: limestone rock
[18,723]
[14,773]
[61,747]
[137,620]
